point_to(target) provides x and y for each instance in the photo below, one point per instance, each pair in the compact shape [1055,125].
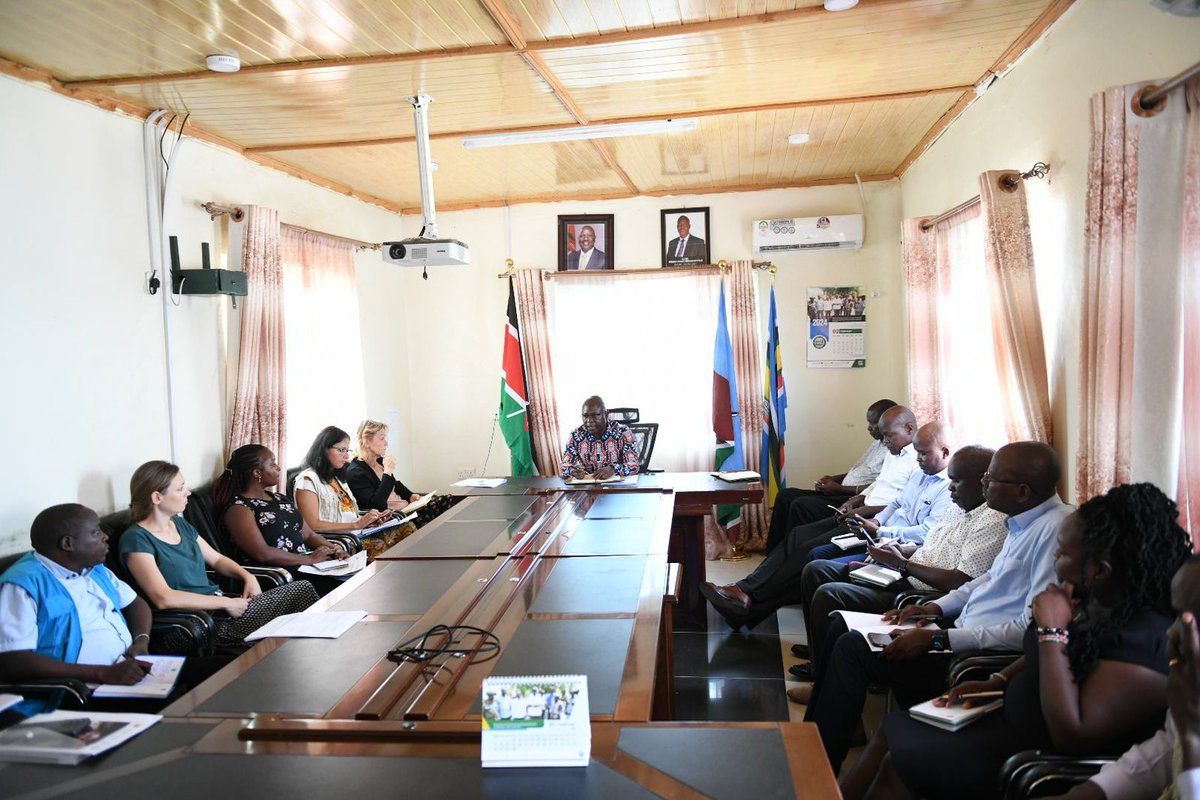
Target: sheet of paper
[590,479]
[306,625]
[737,475]
[391,523]
[864,623]
[338,568]
[164,671]
[480,483]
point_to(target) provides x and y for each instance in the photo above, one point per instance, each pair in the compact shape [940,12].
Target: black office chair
[1036,773]
[625,416]
[644,434]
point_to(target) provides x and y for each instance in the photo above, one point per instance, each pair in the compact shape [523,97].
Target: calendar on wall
[837,327]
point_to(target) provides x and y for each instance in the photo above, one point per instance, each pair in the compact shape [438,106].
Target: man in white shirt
[785,563]
[794,507]
[63,614]
[1167,765]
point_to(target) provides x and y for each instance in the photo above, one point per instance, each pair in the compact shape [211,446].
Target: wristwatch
[940,643]
[902,568]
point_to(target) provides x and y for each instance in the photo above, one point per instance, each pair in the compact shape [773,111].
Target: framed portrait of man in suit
[686,240]
[585,241]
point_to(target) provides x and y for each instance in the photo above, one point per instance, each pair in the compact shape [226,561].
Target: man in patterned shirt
[599,448]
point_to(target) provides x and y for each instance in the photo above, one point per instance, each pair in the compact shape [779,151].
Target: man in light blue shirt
[992,610]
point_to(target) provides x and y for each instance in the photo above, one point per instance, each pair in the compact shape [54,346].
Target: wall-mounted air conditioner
[773,236]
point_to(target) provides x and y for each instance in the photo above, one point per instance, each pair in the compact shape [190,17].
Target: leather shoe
[800,694]
[801,651]
[732,611]
[801,672]
[734,593]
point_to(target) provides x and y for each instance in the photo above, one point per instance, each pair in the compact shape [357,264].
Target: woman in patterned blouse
[266,526]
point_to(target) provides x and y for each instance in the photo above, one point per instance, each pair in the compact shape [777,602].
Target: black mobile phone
[881,639]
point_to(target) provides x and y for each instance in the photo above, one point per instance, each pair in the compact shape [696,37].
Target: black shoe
[735,614]
[801,672]
[801,651]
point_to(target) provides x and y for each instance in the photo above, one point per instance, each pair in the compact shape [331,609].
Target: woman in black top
[1094,674]
[372,481]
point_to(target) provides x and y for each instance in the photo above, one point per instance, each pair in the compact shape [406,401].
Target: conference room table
[212,759]
[695,495]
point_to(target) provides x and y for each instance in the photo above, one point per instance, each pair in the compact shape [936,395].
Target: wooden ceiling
[322,86]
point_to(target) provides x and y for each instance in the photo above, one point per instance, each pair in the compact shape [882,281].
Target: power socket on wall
[466,472]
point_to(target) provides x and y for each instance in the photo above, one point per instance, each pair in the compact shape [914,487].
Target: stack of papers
[308,625]
[68,737]
[338,569]
[480,483]
[876,575]
[951,718]
[391,523]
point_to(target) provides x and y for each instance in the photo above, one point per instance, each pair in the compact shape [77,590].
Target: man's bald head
[1022,475]
[897,427]
[934,443]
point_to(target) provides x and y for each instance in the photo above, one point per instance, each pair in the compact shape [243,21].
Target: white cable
[862,199]
[164,255]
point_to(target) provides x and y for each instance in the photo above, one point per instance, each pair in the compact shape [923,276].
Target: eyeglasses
[342,450]
[987,476]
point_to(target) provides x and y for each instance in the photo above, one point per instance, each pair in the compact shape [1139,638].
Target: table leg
[687,548]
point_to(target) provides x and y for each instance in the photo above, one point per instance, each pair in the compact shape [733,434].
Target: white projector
[427,253]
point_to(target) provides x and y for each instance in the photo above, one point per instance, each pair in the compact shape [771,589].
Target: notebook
[876,575]
[951,718]
[164,671]
[69,737]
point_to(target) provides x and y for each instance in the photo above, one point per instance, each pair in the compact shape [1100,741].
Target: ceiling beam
[511,29]
[1000,66]
[709,112]
[679,191]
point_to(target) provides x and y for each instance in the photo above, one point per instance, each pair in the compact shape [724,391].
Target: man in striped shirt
[599,448]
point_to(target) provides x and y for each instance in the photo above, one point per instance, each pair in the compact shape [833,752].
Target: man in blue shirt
[63,614]
[992,610]
[922,502]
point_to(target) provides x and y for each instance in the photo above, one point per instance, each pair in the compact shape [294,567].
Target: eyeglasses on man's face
[987,478]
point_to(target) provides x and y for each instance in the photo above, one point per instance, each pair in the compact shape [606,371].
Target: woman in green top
[167,558]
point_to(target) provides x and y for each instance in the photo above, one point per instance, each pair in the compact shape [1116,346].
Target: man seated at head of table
[600,448]
[63,614]
[795,507]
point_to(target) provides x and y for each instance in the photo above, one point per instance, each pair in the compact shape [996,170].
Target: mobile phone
[881,639]
[867,535]
[836,510]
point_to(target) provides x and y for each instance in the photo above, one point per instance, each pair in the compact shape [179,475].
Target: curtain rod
[1009,181]
[1157,94]
[237,214]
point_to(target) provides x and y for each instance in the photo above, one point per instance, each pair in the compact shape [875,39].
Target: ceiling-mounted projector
[427,253]
[426,250]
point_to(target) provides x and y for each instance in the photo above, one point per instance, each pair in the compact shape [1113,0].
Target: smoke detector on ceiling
[223,63]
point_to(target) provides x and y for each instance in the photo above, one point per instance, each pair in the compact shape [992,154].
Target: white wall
[85,390]
[455,319]
[1040,112]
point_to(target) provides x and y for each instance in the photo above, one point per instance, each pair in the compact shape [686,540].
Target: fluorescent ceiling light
[581,132]
[840,5]
[798,138]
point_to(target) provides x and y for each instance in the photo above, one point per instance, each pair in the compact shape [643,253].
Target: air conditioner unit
[773,236]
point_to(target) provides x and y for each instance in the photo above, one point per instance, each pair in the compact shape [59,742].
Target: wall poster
[837,327]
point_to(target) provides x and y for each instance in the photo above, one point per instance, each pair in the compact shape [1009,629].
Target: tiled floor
[727,675]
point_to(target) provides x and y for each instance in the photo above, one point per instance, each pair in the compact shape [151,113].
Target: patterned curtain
[1189,456]
[1139,300]
[535,339]
[1016,317]
[748,364]
[922,293]
[260,401]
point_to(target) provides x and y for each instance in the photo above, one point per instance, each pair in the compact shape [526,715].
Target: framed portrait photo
[585,241]
[686,241]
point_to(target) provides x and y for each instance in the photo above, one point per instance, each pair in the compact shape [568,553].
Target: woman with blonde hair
[371,476]
[166,556]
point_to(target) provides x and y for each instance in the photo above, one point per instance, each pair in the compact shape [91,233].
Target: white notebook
[951,718]
[536,721]
[876,575]
[164,672]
